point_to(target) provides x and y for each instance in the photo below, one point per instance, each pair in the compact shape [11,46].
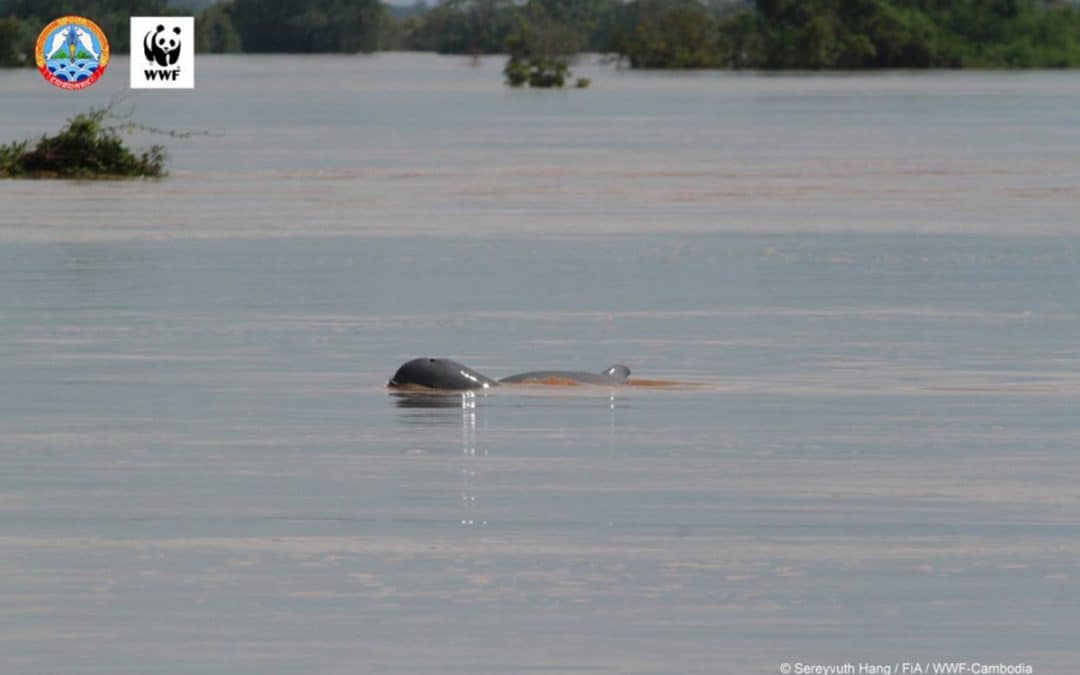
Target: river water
[873,279]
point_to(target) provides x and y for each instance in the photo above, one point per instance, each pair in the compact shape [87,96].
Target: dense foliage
[16,43]
[902,34]
[461,27]
[771,34]
[85,148]
[539,55]
[347,26]
[668,34]
[22,20]
[234,25]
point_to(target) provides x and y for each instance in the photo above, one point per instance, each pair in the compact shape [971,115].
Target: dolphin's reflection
[471,450]
[438,409]
[440,399]
[440,412]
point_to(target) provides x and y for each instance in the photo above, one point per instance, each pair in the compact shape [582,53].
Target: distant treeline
[899,34]
[229,26]
[22,20]
[770,34]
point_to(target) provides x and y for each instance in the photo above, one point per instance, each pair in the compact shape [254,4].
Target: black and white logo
[162,52]
[162,46]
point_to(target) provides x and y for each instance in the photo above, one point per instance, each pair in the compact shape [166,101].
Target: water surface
[873,277]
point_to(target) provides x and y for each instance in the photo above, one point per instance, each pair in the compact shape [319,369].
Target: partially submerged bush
[537,71]
[85,148]
[516,71]
[551,72]
[540,53]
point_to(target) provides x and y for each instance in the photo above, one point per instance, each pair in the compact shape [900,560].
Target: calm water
[875,279]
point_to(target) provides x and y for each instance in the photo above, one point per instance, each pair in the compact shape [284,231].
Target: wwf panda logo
[162,46]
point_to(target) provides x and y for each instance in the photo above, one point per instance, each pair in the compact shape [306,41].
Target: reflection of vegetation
[85,148]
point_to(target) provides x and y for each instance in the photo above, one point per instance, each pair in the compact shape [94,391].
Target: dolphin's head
[434,373]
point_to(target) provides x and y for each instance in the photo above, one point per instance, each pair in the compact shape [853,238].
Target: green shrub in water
[538,71]
[548,72]
[85,148]
[516,71]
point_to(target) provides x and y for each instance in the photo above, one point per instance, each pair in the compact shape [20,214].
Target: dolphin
[87,43]
[58,42]
[612,375]
[435,373]
[446,374]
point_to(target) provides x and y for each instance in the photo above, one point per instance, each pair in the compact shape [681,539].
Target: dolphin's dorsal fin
[618,371]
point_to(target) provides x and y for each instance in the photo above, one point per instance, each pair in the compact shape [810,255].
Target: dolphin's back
[612,375]
[447,374]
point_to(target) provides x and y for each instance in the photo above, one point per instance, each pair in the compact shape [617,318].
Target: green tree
[216,32]
[86,148]
[541,50]
[113,16]
[683,35]
[347,26]
[16,43]
[463,27]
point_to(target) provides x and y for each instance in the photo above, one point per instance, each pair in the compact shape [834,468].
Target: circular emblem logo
[72,52]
